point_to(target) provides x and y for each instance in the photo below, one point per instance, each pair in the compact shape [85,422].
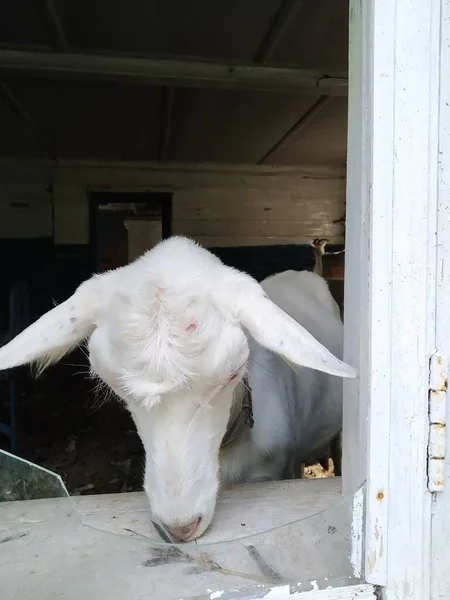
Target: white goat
[168,334]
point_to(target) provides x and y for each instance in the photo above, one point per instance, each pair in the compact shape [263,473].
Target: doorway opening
[123,225]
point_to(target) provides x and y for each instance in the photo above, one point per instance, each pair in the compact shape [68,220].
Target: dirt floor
[67,428]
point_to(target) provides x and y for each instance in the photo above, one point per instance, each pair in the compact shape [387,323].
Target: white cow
[179,337]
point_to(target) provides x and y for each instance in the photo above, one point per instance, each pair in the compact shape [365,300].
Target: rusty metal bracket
[437,400]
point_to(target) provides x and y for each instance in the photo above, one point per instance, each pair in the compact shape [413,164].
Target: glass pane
[23,480]
[105,546]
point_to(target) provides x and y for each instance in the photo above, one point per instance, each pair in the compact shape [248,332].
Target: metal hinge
[437,401]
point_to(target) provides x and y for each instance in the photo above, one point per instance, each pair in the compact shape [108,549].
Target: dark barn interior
[124,123]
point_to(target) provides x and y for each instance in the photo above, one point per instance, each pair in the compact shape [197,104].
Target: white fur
[169,334]
[297,412]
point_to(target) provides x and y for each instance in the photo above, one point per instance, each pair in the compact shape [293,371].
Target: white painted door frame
[440,531]
[391,277]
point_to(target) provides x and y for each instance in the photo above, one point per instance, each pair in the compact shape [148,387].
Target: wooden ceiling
[226,81]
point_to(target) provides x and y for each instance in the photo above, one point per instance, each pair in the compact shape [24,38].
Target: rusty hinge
[437,406]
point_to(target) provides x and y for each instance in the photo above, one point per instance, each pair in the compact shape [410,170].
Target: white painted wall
[224,217]
[216,206]
[221,217]
[71,214]
[25,212]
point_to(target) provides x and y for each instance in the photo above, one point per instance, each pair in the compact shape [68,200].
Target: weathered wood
[102,559]
[283,18]
[53,24]
[391,280]
[70,214]
[357,245]
[190,175]
[440,533]
[246,241]
[171,71]
[171,174]
[26,121]
[222,216]
[326,195]
[25,212]
[296,216]
[262,205]
[166,121]
[301,228]
[26,219]
[215,216]
[353,592]
[293,133]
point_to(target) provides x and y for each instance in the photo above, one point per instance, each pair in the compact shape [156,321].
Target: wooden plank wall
[257,220]
[230,218]
[25,212]
[214,217]
[219,206]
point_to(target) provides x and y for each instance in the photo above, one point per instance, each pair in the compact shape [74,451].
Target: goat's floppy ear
[57,332]
[273,328]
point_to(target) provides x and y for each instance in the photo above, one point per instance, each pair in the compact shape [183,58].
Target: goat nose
[184,533]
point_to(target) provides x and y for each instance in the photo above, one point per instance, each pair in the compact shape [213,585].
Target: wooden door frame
[440,523]
[390,285]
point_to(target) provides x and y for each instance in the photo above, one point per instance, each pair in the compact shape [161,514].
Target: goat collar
[244,409]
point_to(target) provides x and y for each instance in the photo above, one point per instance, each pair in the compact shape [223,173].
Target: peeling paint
[356,533]
[278,592]
[371,560]
[374,556]
[438,372]
[437,421]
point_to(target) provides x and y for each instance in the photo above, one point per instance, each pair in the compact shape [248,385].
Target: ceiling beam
[299,126]
[171,72]
[53,25]
[166,121]
[282,20]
